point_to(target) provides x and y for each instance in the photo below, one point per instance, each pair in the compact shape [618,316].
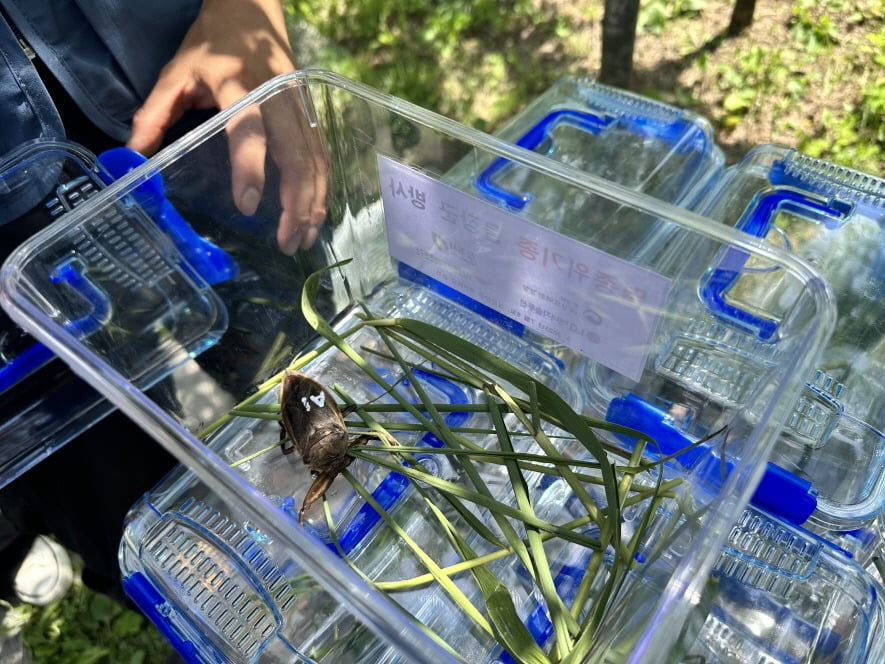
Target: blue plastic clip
[211,262]
[779,492]
[566,583]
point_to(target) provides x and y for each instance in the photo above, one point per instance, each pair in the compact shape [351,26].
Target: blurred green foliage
[451,57]
[656,15]
[85,627]
[820,87]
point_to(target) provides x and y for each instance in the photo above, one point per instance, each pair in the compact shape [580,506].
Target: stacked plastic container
[826,472]
[644,145]
[691,331]
[834,218]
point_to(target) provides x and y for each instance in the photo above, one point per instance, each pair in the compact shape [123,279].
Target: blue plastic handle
[36,355]
[669,131]
[538,623]
[779,492]
[485,182]
[209,261]
[409,273]
[757,220]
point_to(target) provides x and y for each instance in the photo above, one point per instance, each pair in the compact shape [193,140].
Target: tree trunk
[618,38]
[741,16]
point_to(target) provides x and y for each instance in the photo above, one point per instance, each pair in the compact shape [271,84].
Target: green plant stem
[457,568]
[541,567]
[444,581]
[336,542]
[486,501]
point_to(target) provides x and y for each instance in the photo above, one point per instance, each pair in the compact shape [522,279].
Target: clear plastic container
[643,144]
[44,404]
[834,218]
[216,555]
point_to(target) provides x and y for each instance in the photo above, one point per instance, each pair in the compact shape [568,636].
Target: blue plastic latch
[149,600]
[20,364]
[779,492]
[785,494]
[635,413]
[757,220]
[209,261]
[538,623]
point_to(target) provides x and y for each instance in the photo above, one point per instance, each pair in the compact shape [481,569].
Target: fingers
[303,193]
[299,153]
[247,145]
[280,125]
[231,47]
[149,125]
[167,102]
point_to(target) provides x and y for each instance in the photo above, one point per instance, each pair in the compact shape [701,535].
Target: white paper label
[597,304]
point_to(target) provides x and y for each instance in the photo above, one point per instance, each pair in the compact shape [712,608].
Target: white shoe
[45,574]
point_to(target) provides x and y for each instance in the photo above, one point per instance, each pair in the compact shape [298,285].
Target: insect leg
[283,438]
[362,440]
[317,490]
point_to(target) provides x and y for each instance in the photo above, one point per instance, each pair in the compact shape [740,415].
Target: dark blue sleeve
[107,54]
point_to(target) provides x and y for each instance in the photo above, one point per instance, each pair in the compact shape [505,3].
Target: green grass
[85,627]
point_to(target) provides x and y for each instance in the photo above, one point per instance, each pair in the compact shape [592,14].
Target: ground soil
[682,63]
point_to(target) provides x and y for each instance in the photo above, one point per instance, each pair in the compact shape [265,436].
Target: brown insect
[314,425]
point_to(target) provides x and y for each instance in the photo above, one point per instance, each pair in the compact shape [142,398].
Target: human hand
[232,47]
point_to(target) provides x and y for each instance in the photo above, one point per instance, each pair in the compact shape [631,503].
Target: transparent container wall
[596,323]
[643,144]
[204,574]
[834,218]
[875,561]
[42,403]
[780,594]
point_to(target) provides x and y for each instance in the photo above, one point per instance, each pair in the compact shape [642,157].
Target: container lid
[833,217]
[638,142]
